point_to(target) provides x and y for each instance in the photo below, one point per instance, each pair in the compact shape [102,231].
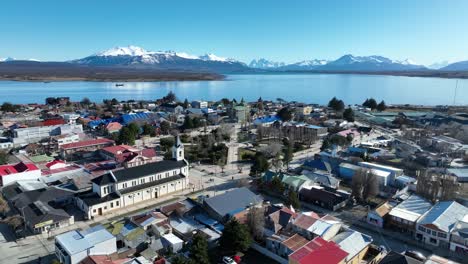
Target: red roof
[87,143]
[17,168]
[53,122]
[319,251]
[118,149]
[113,126]
[52,163]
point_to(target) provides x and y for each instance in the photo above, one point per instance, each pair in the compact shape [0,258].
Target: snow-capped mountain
[265,64]
[369,63]
[14,59]
[304,65]
[137,56]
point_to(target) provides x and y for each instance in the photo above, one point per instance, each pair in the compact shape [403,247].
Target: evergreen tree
[336,104]
[148,130]
[259,165]
[381,106]
[198,250]
[188,123]
[287,154]
[186,104]
[293,199]
[372,104]
[134,129]
[126,136]
[325,145]
[235,238]
[285,114]
[348,114]
[277,185]
[165,127]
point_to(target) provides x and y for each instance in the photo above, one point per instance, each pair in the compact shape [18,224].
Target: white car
[228,260]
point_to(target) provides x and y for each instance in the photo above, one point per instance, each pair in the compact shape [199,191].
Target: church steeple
[178,150]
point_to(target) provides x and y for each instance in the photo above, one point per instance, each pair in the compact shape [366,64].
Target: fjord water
[310,88]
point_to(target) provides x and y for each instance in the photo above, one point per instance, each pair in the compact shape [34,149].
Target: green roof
[41,158]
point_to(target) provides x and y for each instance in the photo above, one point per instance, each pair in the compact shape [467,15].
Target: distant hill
[57,71]
[457,66]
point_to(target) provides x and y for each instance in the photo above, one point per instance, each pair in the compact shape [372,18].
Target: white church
[126,187]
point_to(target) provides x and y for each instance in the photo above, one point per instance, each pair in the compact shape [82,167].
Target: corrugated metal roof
[444,215]
[352,242]
[412,208]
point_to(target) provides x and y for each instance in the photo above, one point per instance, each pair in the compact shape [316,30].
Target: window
[434,233]
[422,228]
[433,240]
[94,210]
[112,205]
[117,203]
[443,235]
[428,231]
[105,207]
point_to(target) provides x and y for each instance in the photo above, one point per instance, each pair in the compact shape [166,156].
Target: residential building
[326,198]
[378,216]
[199,104]
[74,246]
[459,236]
[319,251]
[21,171]
[172,243]
[354,243]
[284,246]
[84,148]
[128,156]
[398,258]
[229,203]
[113,127]
[280,219]
[303,110]
[394,172]
[405,215]
[126,187]
[435,225]
[23,136]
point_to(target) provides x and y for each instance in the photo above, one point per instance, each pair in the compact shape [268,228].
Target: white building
[23,136]
[12,173]
[74,246]
[199,104]
[126,187]
[394,172]
[459,236]
[434,226]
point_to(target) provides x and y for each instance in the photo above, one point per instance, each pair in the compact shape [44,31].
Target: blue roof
[128,118]
[204,219]
[314,126]
[317,164]
[267,119]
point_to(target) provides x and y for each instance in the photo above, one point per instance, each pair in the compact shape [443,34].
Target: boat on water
[119,84]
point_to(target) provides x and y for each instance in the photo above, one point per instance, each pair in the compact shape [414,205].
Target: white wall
[33,175]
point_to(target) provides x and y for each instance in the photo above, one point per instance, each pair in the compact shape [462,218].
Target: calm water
[311,88]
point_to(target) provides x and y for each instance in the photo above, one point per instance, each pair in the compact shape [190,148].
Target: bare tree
[226,130]
[4,207]
[256,222]
[277,163]
[437,186]
[243,183]
[14,221]
[365,184]
[271,150]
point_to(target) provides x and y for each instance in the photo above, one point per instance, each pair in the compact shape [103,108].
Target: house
[283,246]
[172,243]
[74,246]
[42,209]
[319,251]
[405,215]
[302,223]
[280,219]
[394,172]
[128,156]
[128,235]
[326,227]
[113,127]
[435,225]
[232,202]
[354,243]
[84,148]
[326,198]
[459,236]
[303,110]
[21,171]
[199,104]
[126,187]
[378,216]
[323,178]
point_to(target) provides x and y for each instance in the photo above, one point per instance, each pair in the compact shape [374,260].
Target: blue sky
[424,30]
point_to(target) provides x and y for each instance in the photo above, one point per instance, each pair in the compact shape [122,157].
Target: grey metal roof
[444,215]
[77,241]
[412,208]
[352,242]
[232,201]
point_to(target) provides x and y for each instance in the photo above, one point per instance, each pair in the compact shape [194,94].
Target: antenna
[455,94]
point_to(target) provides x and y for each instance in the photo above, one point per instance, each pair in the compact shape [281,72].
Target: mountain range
[137,57]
